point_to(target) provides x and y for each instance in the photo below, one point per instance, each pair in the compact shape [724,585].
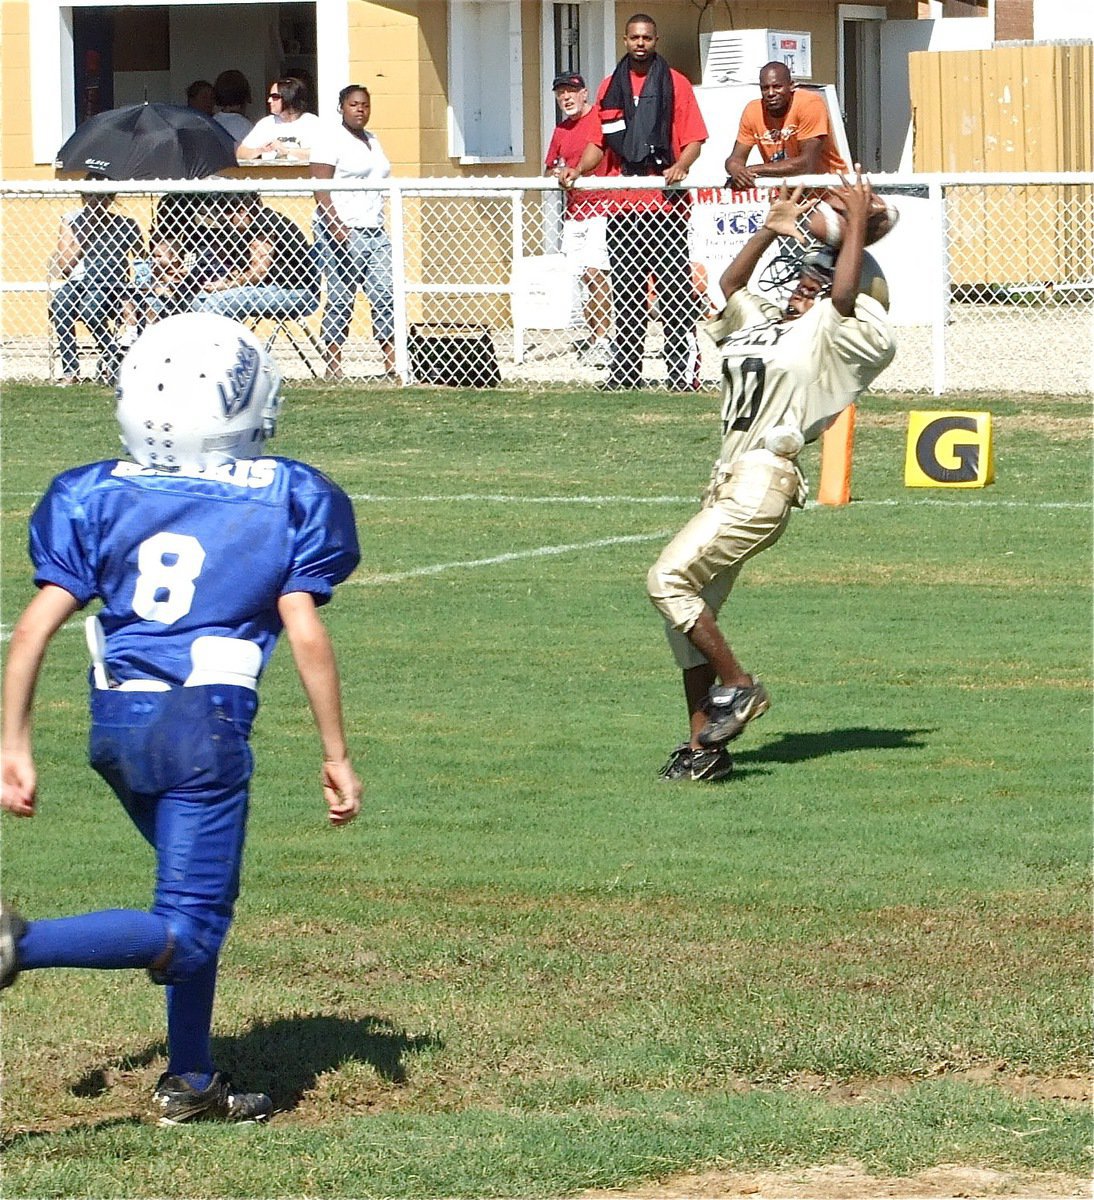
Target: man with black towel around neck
[650,125]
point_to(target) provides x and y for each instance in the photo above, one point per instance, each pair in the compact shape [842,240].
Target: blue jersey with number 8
[174,557]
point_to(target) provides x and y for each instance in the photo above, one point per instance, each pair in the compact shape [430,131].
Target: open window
[89,57]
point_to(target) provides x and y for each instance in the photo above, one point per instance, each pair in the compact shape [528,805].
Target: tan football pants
[746,512]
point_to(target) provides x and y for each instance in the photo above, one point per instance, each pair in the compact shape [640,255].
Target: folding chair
[300,337]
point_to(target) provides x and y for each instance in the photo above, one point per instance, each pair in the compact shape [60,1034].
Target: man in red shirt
[584,224]
[789,127]
[650,125]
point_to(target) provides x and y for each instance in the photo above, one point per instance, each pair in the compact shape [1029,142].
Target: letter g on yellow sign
[949,449]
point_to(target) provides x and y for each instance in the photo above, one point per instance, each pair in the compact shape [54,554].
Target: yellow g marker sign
[949,449]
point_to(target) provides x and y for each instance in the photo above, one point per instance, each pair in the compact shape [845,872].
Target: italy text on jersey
[243,472]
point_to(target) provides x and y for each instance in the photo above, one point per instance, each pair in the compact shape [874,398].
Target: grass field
[531,968]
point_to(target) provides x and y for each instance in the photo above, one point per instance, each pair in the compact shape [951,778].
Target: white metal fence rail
[992,279]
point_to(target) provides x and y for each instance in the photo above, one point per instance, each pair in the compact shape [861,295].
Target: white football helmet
[196,390]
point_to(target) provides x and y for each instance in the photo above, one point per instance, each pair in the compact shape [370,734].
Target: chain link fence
[510,282]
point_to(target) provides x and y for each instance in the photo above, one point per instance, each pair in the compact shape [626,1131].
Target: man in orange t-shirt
[791,130]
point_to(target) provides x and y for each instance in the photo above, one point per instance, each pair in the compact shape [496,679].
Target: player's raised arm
[858,204]
[781,221]
[40,620]
[315,662]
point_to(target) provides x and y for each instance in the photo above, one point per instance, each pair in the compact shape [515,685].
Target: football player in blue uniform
[202,549]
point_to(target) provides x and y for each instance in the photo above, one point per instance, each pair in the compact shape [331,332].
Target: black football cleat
[174,1102]
[12,928]
[730,709]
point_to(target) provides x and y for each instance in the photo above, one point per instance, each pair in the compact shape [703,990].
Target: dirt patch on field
[852,1182]
[1068,1088]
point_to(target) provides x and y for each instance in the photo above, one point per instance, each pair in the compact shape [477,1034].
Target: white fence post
[941,307]
[514,272]
[398,272]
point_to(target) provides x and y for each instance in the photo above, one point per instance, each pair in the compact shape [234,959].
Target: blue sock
[198,1080]
[111,940]
[189,1019]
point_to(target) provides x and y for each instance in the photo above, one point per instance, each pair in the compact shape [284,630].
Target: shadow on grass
[285,1057]
[14,1138]
[799,747]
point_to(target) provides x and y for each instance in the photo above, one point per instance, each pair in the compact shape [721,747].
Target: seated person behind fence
[288,130]
[166,290]
[198,222]
[233,94]
[274,269]
[92,261]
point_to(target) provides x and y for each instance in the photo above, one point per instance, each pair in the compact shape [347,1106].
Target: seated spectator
[274,272]
[198,222]
[94,247]
[200,95]
[167,290]
[233,94]
[289,129]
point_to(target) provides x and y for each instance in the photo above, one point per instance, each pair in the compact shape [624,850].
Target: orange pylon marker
[837,446]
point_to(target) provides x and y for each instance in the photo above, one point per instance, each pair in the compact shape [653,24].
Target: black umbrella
[149,141]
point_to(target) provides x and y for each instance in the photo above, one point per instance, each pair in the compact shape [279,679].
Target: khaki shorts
[746,512]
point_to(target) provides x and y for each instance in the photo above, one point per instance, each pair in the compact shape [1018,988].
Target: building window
[485,101]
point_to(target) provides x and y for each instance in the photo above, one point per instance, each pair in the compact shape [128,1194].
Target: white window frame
[601,13]
[844,14]
[52,84]
[465,61]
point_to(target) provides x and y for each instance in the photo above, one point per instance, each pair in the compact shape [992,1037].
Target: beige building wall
[411,38]
[16,154]
[399,48]
[386,54]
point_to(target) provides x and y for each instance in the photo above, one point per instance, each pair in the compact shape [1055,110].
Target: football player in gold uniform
[788,371]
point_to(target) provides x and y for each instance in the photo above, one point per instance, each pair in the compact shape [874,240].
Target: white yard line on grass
[600,543]
[491,498]
[512,556]
[919,501]
[964,501]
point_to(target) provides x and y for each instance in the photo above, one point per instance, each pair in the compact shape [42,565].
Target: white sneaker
[599,354]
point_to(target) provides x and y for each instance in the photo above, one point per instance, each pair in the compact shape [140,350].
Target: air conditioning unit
[732,56]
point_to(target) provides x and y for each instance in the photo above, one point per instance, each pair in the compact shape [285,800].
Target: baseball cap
[568,79]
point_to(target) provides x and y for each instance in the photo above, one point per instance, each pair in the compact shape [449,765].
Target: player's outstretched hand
[785,211]
[857,197]
[341,790]
[20,785]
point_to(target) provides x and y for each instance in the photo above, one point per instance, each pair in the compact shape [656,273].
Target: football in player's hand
[828,221]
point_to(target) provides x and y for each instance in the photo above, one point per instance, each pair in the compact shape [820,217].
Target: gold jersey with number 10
[800,373]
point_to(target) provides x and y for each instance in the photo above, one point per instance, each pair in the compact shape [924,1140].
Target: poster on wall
[723,219]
